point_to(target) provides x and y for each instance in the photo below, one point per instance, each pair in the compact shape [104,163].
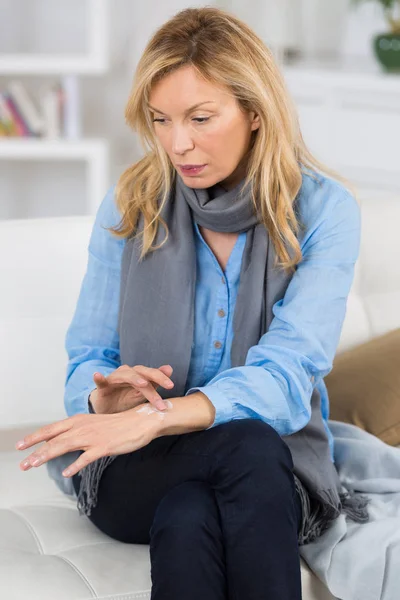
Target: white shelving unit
[95,152]
[95,61]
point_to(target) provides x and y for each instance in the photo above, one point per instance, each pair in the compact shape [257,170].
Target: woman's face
[216,133]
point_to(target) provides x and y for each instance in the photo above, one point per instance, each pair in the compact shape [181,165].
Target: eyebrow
[186,111]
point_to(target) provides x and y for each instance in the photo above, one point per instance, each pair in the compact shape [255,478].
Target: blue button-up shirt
[293,356]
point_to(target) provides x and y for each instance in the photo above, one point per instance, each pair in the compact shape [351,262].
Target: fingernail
[161,405]
[142,381]
[20,444]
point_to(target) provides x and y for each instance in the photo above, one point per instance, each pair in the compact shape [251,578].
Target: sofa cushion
[364,387]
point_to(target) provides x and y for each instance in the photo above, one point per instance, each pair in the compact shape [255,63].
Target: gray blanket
[362,561]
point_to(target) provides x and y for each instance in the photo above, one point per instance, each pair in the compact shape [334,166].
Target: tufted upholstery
[47,551]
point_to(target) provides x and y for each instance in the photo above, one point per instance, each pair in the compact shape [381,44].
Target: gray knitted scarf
[163,286]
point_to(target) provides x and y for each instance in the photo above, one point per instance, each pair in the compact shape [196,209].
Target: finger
[154,375]
[100,380]
[149,392]
[62,444]
[82,461]
[130,379]
[132,376]
[40,456]
[155,398]
[167,369]
[44,433]
[157,402]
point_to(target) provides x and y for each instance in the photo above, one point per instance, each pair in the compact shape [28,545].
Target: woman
[234,316]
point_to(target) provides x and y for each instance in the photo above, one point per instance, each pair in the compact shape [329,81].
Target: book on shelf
[53,115]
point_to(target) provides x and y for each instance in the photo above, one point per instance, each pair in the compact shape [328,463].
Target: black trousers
[218,508]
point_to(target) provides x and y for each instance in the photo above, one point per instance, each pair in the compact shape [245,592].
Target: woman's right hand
[127,387]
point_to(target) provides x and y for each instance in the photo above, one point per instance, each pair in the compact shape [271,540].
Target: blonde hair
[226,52]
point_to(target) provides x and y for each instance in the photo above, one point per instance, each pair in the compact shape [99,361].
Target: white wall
[362,25]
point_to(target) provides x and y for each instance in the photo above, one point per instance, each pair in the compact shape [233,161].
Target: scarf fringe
[319,517]
[355,506]
[89,485]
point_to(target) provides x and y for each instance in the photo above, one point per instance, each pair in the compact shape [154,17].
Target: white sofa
[48,551]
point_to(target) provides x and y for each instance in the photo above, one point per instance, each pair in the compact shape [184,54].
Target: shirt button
[217,344]
[221,312]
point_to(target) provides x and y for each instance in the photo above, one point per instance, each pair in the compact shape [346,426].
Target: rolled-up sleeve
[280,372]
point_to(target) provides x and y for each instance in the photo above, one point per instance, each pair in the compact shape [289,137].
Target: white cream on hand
[149,408]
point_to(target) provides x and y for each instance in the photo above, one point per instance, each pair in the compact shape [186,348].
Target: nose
[181,140]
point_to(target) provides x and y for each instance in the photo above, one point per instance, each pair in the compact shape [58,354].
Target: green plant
[391,9]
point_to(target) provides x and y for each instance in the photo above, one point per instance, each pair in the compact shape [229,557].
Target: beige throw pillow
[364,387]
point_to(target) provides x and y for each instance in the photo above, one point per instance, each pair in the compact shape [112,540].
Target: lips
[191,170]
[188,166]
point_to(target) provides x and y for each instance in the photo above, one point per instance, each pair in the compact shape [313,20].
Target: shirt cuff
[223,406]
[87,403]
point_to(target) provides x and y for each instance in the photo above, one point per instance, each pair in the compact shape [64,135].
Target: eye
[199,120]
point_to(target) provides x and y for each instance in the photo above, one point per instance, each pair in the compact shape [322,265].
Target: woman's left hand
[98,435]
